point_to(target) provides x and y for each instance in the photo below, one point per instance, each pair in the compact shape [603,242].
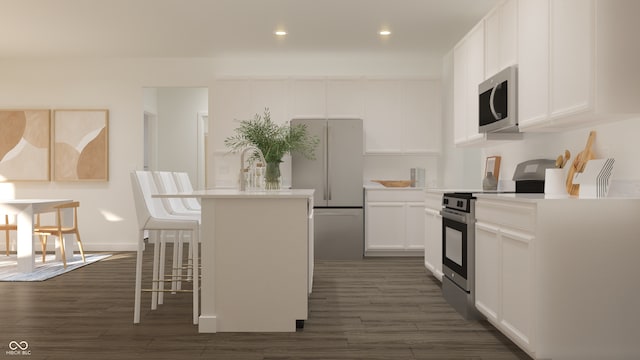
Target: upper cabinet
[402,116]
[501,38]
[577,62]
[308,98]
[345,98]
[468,72]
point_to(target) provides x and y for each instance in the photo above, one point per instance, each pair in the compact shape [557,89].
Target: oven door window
[454,246]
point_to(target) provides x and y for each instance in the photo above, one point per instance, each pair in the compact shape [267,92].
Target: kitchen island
[257,259]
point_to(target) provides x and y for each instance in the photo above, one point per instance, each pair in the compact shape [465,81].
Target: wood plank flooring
[377,308]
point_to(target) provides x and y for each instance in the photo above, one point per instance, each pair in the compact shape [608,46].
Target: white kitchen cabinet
[576,62]
[533,62]
[544,275]
[422,117]
[517,284]
[468,73]
[394,222]
[433,234]
[402,116]
[229,102]
[500,30]
[271,94]
[236,99]
[503,279]
[414,222]
[488,271]
[345,98]
[382,122]
[307,98]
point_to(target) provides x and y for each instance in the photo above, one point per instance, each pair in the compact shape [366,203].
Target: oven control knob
[459,203]
[445,201]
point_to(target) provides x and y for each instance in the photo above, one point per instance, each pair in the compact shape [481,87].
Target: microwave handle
[493,109]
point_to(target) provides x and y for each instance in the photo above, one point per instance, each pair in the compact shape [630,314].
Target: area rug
[51,268]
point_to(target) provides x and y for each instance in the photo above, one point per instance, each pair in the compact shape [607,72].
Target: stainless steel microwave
[498,97]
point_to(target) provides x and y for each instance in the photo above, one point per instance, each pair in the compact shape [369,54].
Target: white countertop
[377,186]
[249,194]
[526,197]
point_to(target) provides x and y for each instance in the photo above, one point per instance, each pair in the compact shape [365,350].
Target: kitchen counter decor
[274,141]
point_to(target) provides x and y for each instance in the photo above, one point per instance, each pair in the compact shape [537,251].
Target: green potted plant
[274,141]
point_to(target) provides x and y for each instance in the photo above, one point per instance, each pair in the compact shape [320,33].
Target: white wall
[462,168]
[618,140]
[107,216]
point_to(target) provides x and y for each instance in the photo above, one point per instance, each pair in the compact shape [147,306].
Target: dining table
[24,210]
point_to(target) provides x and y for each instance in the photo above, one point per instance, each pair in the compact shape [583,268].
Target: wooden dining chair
[59,229]
[6,227]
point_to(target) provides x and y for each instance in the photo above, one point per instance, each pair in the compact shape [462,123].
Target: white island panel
[255,260]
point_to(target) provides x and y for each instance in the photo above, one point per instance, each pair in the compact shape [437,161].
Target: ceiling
[211,28]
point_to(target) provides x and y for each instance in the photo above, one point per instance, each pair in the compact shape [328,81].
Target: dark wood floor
[377,308]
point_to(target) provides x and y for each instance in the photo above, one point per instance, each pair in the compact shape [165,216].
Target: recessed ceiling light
[280,33]
[385,32]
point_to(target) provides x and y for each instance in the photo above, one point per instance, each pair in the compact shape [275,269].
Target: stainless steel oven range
[458,253]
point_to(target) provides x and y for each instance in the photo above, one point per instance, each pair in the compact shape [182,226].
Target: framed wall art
[81,145]
[492,166]
[25,145]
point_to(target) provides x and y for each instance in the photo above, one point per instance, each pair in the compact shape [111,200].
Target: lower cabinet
[394,222]
[433,234]
[556,276]
[504,281]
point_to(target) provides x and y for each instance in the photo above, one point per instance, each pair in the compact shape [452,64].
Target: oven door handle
[454,217]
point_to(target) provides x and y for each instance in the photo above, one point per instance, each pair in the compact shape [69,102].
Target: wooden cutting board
[579,162]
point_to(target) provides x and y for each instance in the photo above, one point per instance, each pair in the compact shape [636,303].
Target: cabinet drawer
[395,195]
[433,201]
[509,214]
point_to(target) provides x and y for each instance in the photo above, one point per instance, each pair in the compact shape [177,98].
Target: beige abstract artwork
[81,145]
[25,145]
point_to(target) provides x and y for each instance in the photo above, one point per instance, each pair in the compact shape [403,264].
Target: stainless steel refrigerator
[336,176]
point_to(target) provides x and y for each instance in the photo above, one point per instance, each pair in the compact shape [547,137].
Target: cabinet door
[468,73]
[433,242]
[517,285]
[345,98]
[492,43]
[572,29]
[501,29]
[508,34]
[383,111]
[229,102]
[385,226]
[533,64]
[475,77]
[271,94]
[414,220]
[460,101]
[422,116]
[488,270]
[307,98]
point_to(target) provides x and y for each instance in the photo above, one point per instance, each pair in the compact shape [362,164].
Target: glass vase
[272,175]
